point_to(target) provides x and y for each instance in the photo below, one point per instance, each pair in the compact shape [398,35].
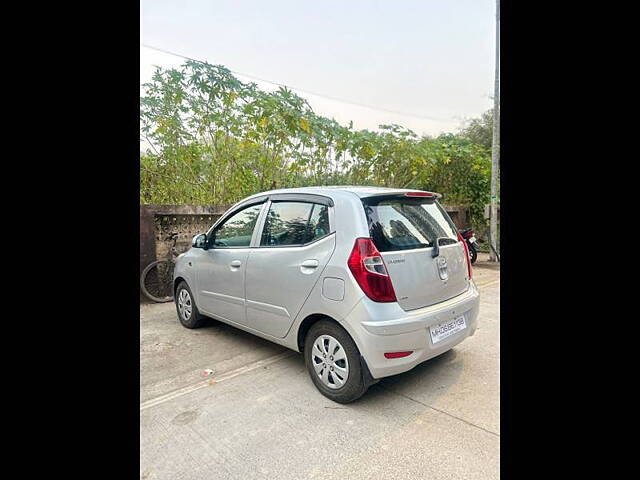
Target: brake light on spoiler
[422,194]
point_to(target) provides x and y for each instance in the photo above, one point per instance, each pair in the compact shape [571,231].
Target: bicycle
[156,280]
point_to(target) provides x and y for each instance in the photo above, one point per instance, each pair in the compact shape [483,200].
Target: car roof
[330,190]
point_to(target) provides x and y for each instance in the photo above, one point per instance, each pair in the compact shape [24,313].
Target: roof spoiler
[376,197]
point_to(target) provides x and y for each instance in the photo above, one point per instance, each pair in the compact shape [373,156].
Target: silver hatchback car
[367,282]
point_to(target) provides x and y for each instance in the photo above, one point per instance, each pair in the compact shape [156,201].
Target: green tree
[479,130]
[214,140]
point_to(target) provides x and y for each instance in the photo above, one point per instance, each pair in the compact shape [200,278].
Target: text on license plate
[446,329]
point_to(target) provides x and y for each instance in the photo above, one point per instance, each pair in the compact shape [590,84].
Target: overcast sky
[430,58]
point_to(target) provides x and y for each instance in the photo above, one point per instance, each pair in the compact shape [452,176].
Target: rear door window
[407,223]
[319,222]
[294,223]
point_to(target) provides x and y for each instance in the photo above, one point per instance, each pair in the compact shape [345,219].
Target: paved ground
[259,416]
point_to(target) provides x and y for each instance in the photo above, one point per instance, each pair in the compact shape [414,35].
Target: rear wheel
[188,312]
[333,362]
[156,281]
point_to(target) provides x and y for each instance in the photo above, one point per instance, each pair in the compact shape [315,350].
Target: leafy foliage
[215,140]
[480,130]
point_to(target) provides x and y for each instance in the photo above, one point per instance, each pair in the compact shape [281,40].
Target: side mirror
[199,241]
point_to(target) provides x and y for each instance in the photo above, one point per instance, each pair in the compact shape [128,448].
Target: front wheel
[333,361]
[473,253]
[156,281]
[188,313]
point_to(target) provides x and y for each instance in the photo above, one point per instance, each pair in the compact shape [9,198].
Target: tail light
[466,254]
[369,270]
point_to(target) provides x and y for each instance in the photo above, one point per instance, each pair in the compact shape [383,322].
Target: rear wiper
[436,246]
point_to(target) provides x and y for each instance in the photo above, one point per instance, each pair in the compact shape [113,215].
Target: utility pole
[495,150]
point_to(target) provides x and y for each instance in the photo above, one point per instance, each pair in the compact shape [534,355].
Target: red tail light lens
[368,268]
[466,254]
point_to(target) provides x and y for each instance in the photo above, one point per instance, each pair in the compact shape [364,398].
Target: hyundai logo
[442,268]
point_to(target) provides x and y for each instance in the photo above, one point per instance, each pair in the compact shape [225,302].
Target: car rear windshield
[403,223]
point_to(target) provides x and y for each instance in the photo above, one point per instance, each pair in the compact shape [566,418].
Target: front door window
[237,230]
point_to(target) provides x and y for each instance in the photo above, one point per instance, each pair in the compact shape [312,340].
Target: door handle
[310,264]
[235,263]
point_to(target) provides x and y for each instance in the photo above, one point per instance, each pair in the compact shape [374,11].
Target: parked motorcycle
[471,240]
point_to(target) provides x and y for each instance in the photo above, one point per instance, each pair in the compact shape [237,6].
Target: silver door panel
[279,279]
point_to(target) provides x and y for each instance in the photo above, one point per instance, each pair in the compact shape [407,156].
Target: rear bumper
[385,327]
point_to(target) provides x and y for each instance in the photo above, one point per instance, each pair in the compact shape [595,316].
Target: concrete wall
[147,237]
[459,215]
[158,221]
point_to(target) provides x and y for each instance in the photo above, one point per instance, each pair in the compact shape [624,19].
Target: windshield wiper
[436,246]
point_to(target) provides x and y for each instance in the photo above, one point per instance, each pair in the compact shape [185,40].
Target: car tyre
[188,313]
[344,389]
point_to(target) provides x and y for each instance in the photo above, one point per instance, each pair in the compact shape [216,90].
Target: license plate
[472,239]
[446,329]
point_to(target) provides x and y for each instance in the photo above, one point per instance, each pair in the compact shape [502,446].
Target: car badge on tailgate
[442,268]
